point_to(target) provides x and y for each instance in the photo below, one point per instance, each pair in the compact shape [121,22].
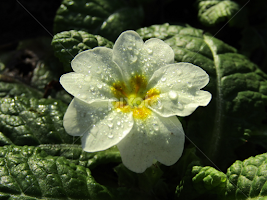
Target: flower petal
[134,56]
[80,116]
[97,63]
[156,138]
[179,85]
[85,88]
[108,131]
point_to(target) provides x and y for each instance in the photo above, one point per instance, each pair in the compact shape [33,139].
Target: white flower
[129,96]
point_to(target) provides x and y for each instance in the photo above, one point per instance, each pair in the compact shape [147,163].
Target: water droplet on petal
[149,51]
[118,123]
[189,84]
[178,72]
[163,79]
[130,48]
[99,85]
[110,124]
[159,105]
[156,127]
[133,58]
[110,135]
[180,106]
[94,130]
[173,95]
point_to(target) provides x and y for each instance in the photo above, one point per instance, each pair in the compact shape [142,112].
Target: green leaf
[150,182]
[68,44]
[29,172]
[247,179]
[26,121]
[208,179]
[201,182]
[236,113]
[75,154]
[107,18]
[244,181]
[10,87]
[212,12]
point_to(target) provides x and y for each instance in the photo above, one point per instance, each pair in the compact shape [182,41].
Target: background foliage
[39,160]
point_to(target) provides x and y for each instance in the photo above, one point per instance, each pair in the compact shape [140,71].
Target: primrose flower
[129,96]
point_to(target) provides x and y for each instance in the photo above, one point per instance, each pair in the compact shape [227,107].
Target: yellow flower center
[135,99]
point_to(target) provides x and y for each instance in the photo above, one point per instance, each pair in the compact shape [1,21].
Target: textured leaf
[10,87]
[26,121]
[208,179]
[75,154]
[68,44]
[205,182]
[248,179]
[107,18]
[29,172]
[237,110]
[212,12]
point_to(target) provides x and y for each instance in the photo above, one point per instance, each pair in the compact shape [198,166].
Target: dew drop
[133,59]
[173,95]
[189,84]
[83,96]
[136,52]
[110,124]
[178,72]
[110,135]
[99,85]
[118,123]
[180,106]
[159,105]
[163,79]
[149,51]
[130,48]
[94,130]
[156,127]
[70,2]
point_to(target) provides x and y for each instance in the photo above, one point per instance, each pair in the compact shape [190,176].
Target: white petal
[85,88]
[134,56]
[80,116]
[155,138]
[108,131]
[97,64]
[179,85]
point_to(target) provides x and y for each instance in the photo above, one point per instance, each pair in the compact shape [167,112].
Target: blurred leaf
[107,18]
[212,12]
[10,87]
[68,44]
